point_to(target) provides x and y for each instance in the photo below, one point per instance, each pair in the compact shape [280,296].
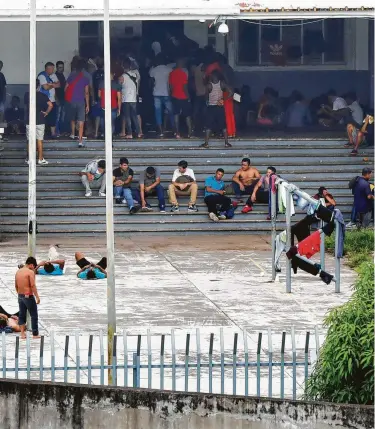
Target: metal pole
[273,238]
[32,135]
[288,245]
[337,260]
[111,287]
[322,248]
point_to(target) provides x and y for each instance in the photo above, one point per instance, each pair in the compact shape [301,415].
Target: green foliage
[344,371]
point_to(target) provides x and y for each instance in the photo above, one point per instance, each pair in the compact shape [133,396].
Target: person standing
[130,81]
[183,184]
[200,100]
[215,115]
[28,297]
[3,92]
[214,196]
[60,98]
[178,84]
[43,109]
[363,199]
[77,99]
[162,101]
[115,105]
[94,173]
[48,84]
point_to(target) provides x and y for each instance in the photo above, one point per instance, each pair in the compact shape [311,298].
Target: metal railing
[146,361]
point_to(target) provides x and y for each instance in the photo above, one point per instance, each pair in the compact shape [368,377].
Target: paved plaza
[185,283]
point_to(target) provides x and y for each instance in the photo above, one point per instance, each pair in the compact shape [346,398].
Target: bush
[344,371]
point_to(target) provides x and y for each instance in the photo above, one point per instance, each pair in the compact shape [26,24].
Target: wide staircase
[62,207]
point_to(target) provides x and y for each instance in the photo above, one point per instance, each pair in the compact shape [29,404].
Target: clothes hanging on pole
[292,252]
[324,214]
[280,248]
[341,232]
[273,190]
[327,278]
[301,229]
[304,266]
[310,245]
[283,194]
[329,228]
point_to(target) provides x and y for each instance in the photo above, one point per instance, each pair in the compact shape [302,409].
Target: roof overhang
[120,10]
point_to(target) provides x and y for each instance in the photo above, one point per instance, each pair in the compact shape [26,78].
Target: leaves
[345,369]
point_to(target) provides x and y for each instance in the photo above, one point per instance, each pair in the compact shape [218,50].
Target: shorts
[39,131]
[76,111]
[215,118]
[96,111]
[51,118]
[181,107]
[83,262]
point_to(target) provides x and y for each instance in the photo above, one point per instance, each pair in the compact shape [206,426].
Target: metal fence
[199,362]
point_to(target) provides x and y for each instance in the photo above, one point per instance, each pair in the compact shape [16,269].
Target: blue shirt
[211,182]
[56,272]
[99,274]
[298,115]
[361,191]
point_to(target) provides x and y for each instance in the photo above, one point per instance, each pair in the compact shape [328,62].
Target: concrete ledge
[31,404]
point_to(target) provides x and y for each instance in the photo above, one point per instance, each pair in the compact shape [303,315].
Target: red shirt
[178,78]
[115,89]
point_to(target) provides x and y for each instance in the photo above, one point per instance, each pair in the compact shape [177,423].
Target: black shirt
[97,78]
[123,175]
[41,106]
[60,92]
[3,84]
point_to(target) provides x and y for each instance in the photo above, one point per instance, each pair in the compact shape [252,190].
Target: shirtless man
[244,181]
[28,296]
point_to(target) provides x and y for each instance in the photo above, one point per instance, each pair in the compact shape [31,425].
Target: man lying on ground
[53,266]
[90,271]
[11,321]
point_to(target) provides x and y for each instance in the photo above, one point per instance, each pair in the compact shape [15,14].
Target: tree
[344,372]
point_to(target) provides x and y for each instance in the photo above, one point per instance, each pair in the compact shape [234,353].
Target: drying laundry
[283,194]
[327,278]
[302,228]
[292,252]
[329,228]
[310,245]
[280,248]
[304,266]
[324,214]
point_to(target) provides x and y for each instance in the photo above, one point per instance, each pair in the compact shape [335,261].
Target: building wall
[34,405]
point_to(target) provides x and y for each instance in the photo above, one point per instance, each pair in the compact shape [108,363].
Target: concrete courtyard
[216,284]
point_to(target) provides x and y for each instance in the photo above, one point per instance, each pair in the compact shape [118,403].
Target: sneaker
[192,208]
[162,210]
[247,209]
[175,209]
[81,144]
[134,210]
[72,137]
[102,194]
[350,225]
[42,162]
[213,217]
[234,204]
[88,194]
[222,217]
[118,201]
[354,152]
[26,161]
[149,208]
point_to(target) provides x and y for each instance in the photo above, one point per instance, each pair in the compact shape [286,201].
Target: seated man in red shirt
[178,85]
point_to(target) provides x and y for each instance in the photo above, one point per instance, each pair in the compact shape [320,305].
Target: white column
[32,135]
[111,287]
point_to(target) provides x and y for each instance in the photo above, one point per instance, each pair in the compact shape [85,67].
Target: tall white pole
[111,287]
[32,135]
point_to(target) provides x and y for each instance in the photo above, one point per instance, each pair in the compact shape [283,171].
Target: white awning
[80,10]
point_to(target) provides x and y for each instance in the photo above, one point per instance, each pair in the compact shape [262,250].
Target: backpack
[353,182]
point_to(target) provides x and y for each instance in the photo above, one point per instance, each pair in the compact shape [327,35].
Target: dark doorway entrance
[157,31]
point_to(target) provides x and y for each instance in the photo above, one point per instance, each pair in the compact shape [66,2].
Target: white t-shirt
[129,88]
[339,104]
[161,76]
[356,111]
[43,81]
[188,172]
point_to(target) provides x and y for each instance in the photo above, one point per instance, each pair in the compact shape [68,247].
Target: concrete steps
[62,207]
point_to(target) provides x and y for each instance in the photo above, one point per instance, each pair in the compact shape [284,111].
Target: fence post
[162,345]
[41,356]
[282,367]
[4,353]
[149,360]
[52,340]
[66,353]
[288,267]
[16,356]
[135,376]
[234,362]
[337,259]
[307,342]
[222,371]
[294,361]
[173,345]
[28,355]
[114,361]
[246,350]
[78,359]
[210,362]
[125,341]
[187,351]
[269,363]
[258,362]
[89,360]
[101,357]
[273,236]
[198,340]
[139,342]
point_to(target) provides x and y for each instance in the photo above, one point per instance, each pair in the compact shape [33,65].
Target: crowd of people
[196,94]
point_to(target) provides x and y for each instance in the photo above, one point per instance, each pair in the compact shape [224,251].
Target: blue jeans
[28,304]
[124,193]
[162,103]
[60,119]
[130,115]
[114,116]
[353,216]
[158,191]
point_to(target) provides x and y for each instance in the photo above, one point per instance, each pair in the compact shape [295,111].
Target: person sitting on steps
[214,196]
[244,182]
[94,174]
[183,184]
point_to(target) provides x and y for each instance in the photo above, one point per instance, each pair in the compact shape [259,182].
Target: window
[211,37]
[290,42]
[89,38]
